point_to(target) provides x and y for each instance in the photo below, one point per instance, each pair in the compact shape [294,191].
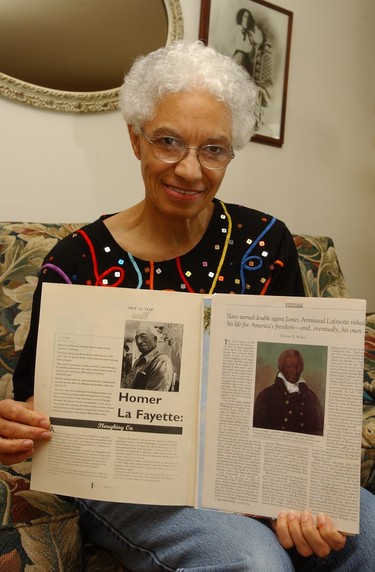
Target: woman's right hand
[20,426]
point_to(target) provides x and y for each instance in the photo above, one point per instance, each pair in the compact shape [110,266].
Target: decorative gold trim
[82,102]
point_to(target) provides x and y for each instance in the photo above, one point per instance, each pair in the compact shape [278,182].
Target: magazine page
[272,445]
[124,420]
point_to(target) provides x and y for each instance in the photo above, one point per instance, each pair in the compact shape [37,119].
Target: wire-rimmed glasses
[172,150]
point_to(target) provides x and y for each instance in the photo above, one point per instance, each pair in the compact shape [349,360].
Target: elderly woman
[187,107]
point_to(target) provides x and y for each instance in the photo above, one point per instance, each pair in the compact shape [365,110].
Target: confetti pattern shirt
[243,251]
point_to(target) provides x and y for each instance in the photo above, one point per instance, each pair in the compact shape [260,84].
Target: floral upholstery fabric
[41,531]
[321,272]
[368,426]
[36,528]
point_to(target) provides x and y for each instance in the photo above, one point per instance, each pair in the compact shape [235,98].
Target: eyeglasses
[143,336]
[172,150]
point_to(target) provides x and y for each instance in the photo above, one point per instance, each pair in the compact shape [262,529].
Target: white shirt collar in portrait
[290,387]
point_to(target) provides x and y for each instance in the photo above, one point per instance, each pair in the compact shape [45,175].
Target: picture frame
[256,34]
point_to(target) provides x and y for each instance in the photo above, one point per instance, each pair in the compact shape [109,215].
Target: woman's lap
[148,538]
[181,538]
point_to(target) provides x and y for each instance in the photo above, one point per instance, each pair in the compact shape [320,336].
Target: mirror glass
[71,55]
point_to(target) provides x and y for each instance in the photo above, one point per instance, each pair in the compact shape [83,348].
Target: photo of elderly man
[152,369]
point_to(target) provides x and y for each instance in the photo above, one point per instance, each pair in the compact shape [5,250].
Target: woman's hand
[20,425]
[300,531]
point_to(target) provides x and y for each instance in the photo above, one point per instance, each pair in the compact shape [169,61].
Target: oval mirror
[71,55]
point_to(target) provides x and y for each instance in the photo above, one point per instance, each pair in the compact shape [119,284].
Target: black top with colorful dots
[243,251]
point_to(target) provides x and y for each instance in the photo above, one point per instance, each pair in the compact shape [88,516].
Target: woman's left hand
[300,531]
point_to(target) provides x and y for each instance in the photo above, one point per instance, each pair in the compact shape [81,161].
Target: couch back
[23,246]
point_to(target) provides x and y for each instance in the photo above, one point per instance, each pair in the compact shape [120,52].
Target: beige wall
[67,167]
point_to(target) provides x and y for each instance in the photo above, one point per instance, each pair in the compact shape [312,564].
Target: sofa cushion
[36,529]
[23,247]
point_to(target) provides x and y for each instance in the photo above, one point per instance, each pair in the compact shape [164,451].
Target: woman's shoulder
[77,254]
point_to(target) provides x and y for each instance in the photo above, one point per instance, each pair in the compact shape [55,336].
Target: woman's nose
[189,167]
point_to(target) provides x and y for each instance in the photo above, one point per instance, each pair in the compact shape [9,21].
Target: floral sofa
[40,531]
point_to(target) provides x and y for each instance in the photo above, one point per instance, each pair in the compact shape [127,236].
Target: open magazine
[221,437]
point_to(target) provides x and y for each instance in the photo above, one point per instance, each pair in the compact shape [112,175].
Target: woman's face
[245,19]
[183,189]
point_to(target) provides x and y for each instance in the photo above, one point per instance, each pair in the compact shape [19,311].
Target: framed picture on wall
[257,35]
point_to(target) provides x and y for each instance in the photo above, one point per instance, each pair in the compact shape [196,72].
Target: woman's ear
[134,140]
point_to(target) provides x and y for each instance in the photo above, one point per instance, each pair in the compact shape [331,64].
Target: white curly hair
[183,66]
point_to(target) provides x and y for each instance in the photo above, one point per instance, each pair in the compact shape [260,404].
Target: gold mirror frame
[76,101]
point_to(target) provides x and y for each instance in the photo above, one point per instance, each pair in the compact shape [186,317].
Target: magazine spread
[232,429]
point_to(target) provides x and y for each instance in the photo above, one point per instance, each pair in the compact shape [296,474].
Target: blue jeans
[156,538]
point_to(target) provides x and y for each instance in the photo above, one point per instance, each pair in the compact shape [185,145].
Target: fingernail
[304,516]
[28,444]
[290,516]
[44,424]
[320,518]
[282,514]
[46,435]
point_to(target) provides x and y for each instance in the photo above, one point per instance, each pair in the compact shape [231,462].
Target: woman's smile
[187,193]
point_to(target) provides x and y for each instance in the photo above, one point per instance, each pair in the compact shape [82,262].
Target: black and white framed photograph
[257,35]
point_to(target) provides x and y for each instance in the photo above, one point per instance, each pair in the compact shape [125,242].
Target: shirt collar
[290,387]
[150,355]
